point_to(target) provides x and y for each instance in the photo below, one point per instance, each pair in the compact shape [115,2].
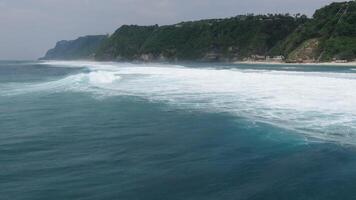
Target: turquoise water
[85,130]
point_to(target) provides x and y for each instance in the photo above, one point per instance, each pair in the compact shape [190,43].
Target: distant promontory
[81,48]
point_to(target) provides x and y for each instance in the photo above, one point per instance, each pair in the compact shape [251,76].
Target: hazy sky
[28,28]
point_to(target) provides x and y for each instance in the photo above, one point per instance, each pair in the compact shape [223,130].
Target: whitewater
[321,106]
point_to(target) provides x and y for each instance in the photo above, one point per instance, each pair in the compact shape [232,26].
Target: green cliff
[206,40]
[330,35]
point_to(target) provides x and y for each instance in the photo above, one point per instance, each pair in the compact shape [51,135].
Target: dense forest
[216,39]
[329,35]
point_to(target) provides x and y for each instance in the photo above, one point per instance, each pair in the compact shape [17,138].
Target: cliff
[206,40]
[330,35]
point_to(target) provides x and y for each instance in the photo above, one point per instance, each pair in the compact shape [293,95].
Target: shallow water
[190,131]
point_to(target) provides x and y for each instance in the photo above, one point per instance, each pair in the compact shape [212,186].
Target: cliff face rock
[81,48]
[308,51]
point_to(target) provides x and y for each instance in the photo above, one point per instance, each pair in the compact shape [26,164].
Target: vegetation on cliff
[216,39]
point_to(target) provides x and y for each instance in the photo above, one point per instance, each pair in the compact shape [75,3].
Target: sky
[28,28]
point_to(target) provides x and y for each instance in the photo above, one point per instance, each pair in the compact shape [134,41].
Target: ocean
[189,131]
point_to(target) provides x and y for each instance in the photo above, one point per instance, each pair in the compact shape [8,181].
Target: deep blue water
[135,131]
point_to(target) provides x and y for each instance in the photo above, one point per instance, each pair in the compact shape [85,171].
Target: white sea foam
[322,105]
[101,77]
[289,67]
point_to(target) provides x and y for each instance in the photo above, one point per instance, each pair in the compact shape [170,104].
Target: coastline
[348,64]
[326,64]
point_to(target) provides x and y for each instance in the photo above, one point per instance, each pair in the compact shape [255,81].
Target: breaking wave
[317,104]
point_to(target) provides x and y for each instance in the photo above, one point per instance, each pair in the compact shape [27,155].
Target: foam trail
[319,104]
